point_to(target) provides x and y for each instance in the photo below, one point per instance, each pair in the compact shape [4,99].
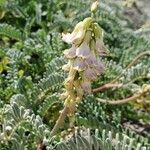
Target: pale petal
[79,64]
[83,50]
[70,53]
[67,38]
[100,47]
[91,60]
[77,37]
[86,85]
[66,67]
[90,74]
[99,68]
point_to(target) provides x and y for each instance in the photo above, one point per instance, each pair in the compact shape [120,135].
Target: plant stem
[118,102]
[141,55]
[138,57]
[60,120]
[112,84]
[106,86]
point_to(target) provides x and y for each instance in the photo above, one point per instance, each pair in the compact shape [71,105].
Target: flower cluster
[83,64]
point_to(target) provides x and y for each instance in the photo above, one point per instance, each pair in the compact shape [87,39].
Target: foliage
[31,76]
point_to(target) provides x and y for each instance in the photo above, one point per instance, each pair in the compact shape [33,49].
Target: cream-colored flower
[74,37]
[67,38]
[94,6]
[83,63]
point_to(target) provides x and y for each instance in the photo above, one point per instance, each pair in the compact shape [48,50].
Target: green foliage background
[31,78]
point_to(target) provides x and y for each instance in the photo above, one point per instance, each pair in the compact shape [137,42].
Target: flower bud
[87,23]
[78,37]
[92,45]
[64,95]
[100,47]
[88,36]
[98,31]
[66,67]
[94,6]
[68,84]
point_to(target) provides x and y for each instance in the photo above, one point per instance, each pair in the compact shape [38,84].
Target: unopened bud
[64,95]
[87,37]
[98,31]
[66,67]
[87,22]
[92,45]
[78,26]
[94,6]
[68,84]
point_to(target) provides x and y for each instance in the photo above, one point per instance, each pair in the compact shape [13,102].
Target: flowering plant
[84,64]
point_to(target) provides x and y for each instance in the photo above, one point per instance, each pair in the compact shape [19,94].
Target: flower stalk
[84,64]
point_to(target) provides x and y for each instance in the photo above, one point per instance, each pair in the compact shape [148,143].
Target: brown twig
[112,84]
[106,86]
[40,146]
[122,101]
[60,120]
[138,57]
[141,55]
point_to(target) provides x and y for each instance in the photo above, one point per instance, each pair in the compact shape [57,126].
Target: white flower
[94,6]
[83,50]
[75,37]
[67,38]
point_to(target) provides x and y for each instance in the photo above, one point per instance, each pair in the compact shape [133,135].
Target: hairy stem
[141,55]
[138,57]
[112,84]
[60,120]
[122,101]
[106,86]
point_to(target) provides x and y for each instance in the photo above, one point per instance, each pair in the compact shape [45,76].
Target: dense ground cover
[116,114]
